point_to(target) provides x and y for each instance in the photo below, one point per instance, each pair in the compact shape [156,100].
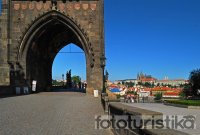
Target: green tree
[123,83]
[170,86]
[195,81]
[126,83]
[181,85]
[153,85]
[147,84]
[132,84]
[56,83]
[187,91]
[76,79]
[139,83]
[158,96]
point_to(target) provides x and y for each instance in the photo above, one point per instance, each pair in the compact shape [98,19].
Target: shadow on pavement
[68,90]
[51,90]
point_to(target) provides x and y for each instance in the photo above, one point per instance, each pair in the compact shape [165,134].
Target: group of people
[79,85]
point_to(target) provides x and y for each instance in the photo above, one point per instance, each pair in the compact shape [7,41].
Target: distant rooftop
[126,80]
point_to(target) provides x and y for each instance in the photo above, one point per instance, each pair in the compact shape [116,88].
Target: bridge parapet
[118,109]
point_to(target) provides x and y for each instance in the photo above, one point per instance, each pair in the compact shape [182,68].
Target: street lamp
[106,78]
[103,64]
[63,79]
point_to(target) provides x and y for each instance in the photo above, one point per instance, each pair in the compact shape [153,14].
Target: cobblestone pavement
[50,113]
[171,110]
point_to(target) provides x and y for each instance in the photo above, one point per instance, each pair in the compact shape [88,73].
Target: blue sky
[0,6]
[66,61]
[157,37]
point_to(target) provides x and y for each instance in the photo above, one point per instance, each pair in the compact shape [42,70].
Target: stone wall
[4,68]
[87,14]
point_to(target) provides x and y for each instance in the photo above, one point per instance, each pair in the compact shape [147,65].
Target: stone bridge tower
[33,31]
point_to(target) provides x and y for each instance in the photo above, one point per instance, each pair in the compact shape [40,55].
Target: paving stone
[50,113]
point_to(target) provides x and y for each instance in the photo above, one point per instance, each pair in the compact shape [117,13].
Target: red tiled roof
[113,86]
[163,89]
[171,93]
[147,79]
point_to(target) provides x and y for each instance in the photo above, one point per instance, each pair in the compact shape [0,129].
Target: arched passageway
[43,40]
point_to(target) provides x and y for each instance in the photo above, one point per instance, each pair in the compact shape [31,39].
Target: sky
[156,37]
[0,6]
[74,61]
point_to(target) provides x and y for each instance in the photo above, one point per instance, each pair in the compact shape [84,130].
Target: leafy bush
[185,102]
[158,96]
[182,95]
[187,91]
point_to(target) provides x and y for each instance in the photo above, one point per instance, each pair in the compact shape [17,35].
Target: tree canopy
[76,79]
[195,81]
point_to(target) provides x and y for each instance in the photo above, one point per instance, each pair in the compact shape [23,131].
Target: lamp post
[106,78]
[103,64]
[63,79]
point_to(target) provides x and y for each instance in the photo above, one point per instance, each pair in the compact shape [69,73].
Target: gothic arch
[58,24]
[54,16]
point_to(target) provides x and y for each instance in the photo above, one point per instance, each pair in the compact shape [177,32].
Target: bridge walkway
[50,113]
